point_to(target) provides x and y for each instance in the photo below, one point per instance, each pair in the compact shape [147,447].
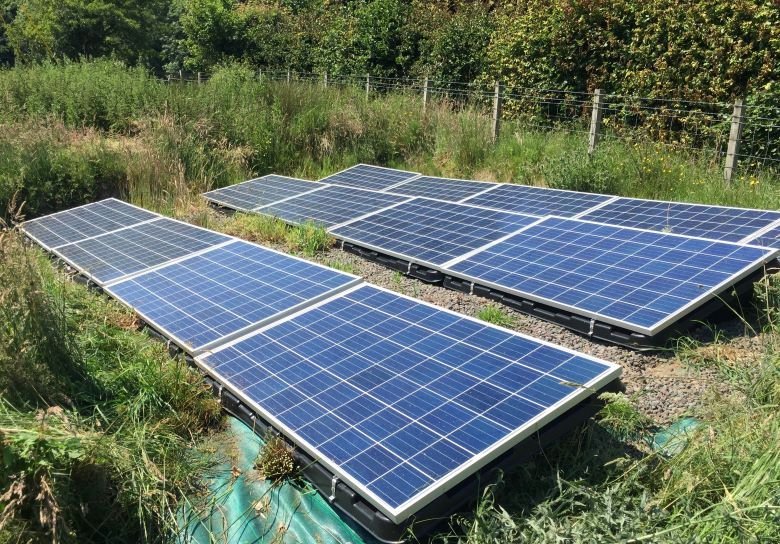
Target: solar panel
[714,222]
[222,292]
[398,398]
[116,254]
[537,200]
[366,176]
[768,237]
[453,190]
[639,280]
[431,232]
[259,192]
[58,229]
[330,206]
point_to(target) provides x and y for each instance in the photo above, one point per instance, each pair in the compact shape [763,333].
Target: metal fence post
[288,76]
[368,85]
[595,122]
[497,108]
[734,137]
[425,94]
[325,80]
[199,79]
[260,75]
[181,76]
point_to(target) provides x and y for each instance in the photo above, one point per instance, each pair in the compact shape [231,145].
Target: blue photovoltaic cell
[127,251]
[222,291]
[430,231]
[398,396]
[331,205]
[770,238]
[365,176]
[83,222]
[714,222]
[640,280]
[453,190]
[258,192]
[537,200]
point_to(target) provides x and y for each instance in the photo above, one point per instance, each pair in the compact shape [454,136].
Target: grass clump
[497,316]
[275,460]
[309,239]
[621,417]
[342,266]
[256,228]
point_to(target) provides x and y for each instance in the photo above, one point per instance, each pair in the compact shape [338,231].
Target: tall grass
[99,427]
[162,144]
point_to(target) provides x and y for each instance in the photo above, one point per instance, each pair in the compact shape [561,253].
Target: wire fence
[747,137]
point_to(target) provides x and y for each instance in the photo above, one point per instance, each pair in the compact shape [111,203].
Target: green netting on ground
[242,507]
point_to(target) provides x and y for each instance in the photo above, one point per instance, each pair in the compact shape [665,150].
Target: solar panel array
[365,176]
[76,224]
[222,292]
[330,205]
[633,278]
[714,222]
[430,232]
[452,226]
[537,200]
[452,190]
[255,193]
[399,398]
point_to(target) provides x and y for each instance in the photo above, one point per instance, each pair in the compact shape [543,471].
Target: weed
[497,316]
[275,461]
[256,228]
[621,417]
[309,239]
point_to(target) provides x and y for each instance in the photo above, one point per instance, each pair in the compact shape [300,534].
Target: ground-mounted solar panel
[116,254]
[430,232]
[259,192]
[330,205]
[366,176]
[539,201]
[225,291]
[75,224]
[398,398]
[768,237]
[639,280]
[704,221]
[452,190]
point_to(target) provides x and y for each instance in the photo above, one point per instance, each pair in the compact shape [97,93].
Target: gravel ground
[664,389]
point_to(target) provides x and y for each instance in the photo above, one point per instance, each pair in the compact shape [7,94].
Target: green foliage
[127,30]
[621,417]
[309,239]
[258,228]
[497,316]
[98,425]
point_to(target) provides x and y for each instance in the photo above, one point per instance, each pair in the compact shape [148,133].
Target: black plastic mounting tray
[422,273]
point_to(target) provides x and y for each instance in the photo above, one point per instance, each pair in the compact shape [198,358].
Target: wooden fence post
[199,79]
[260,75]
[595,122]
[497,108]
[325,80]
[425,94]
[734,137]
[368,85]
[181,76]
[288,76]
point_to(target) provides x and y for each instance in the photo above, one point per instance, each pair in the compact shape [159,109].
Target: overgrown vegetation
[497,316]
[275,460]
[162,145]
[99,426]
